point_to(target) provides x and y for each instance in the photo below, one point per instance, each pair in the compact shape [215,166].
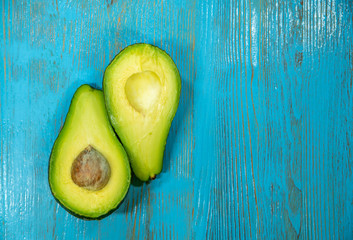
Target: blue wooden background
[262,143]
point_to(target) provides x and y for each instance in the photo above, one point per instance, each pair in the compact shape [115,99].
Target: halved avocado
[142,89]
[89,172]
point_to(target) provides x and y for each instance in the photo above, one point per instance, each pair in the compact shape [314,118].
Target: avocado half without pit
[89,172]
[142,89]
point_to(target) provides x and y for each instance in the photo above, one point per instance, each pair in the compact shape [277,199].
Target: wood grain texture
[261,145]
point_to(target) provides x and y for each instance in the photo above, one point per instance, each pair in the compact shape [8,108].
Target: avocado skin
[52,152]
[152,175]
[83,217]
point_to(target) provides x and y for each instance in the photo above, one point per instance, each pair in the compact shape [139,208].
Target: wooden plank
[261,145]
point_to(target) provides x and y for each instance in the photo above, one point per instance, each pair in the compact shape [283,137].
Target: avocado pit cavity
[90,170]
[143,90]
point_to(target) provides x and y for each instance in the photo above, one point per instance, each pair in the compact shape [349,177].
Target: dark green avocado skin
[68,210]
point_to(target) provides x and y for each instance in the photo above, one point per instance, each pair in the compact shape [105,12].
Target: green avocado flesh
[142,89]
[89,172]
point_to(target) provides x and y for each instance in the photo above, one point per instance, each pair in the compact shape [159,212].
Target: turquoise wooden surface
[260,148]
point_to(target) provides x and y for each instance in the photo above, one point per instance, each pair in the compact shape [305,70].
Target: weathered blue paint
[261,145]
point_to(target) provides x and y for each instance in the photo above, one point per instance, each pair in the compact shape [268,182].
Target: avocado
[142,88]
[89,172]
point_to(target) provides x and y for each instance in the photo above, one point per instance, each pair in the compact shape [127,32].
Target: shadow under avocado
[186,69]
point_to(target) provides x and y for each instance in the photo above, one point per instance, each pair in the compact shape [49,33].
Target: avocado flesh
[142,89]
[87,127]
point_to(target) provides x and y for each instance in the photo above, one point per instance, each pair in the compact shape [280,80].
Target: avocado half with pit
[89,172]
[142,89]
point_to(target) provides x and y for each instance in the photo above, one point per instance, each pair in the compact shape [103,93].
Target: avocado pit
[90,170]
